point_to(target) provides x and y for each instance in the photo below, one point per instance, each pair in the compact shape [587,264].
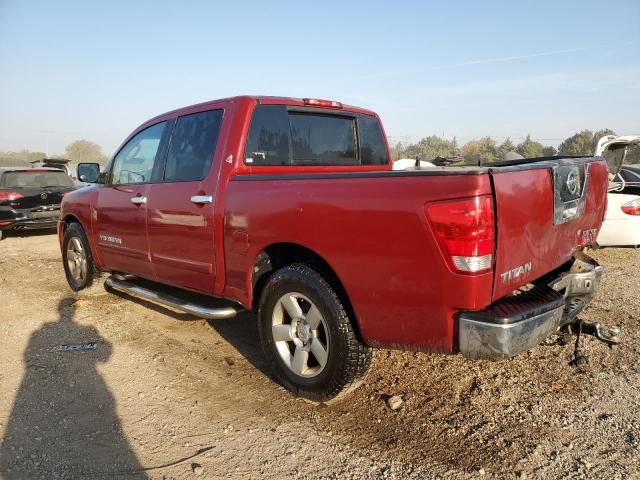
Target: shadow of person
[63,423]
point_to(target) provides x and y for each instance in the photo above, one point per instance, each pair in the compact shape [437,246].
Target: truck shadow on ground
[63,422]
[439,422]
[242,333]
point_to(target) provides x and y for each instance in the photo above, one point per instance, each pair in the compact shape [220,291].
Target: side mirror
[88,172]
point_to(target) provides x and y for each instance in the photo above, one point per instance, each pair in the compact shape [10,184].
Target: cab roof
[263,100]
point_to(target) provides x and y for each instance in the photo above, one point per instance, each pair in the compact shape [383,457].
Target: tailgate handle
[138,200]
[202,199]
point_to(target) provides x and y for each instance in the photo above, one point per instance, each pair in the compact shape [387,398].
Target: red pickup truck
[289,207]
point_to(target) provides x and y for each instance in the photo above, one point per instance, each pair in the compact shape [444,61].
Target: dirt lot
[164,396]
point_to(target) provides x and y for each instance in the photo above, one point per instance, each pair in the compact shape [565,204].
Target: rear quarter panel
[374,234]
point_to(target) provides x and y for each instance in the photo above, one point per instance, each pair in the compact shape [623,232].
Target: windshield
[38,179]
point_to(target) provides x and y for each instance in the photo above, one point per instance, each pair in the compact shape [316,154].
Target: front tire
[306,333]
[77,258]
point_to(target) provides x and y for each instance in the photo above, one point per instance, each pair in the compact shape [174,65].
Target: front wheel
[76,258]
[306,332]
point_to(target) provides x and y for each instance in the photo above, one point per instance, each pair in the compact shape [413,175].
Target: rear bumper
[11,219]
[520,322]
[36,224]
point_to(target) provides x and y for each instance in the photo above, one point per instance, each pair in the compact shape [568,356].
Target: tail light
[466,231]
[632,207]
[10,196]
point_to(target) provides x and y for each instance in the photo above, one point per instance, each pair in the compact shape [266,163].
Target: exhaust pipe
[124,286]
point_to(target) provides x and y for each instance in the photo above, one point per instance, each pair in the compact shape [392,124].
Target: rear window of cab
[282,136]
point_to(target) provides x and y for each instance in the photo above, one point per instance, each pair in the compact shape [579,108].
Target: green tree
[480,151]
[85,151]
[633,155]
[583,142]
[529,148]
[431,147]
[506,146]
[549,151]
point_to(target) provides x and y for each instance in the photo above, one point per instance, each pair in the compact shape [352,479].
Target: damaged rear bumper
[521,321]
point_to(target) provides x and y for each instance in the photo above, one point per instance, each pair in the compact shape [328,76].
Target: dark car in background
[629,179]
[30,197]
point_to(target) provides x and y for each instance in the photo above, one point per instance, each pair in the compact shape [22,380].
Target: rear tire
[77,258]
[307,335]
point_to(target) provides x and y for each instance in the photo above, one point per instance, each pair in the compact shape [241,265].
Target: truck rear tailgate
[545,211]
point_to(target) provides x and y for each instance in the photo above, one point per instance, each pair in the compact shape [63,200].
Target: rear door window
[192,146]
[279,136]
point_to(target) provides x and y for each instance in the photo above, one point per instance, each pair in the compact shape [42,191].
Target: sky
[96,70]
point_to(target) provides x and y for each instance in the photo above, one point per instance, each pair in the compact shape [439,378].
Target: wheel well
[69,219]
[280,255]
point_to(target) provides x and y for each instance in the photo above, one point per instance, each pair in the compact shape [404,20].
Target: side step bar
[124,286]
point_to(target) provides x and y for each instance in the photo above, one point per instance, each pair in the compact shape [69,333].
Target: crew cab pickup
[290,208]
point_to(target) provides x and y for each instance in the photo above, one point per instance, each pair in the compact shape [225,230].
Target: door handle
[138,200]
[202,199]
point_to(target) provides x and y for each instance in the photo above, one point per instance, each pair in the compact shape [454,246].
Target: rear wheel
[306,332]
[76,258]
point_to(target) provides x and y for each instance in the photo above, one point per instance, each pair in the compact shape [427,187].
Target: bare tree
[85,151]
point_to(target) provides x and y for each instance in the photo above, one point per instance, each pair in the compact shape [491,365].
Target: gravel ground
[163,396]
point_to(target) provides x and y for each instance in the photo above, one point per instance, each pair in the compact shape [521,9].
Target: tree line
[486,149]
[483,150]
[77,151]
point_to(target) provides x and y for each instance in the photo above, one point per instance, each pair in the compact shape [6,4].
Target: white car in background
[621,226]
[410,164]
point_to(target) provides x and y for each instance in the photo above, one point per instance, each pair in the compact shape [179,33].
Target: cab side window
[268,142]
[192,146]
[135,161]
[373,149]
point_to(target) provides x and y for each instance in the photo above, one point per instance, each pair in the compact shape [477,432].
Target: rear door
[122,203]
[180,209]
[545,211]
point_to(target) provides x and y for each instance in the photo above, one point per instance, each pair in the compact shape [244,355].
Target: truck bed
[405,291]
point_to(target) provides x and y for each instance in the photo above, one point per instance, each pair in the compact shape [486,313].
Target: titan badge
[515,273]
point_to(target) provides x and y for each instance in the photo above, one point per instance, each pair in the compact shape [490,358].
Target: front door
[180,206]
[122,204]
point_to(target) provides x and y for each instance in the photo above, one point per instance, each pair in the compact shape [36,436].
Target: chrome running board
[120,284]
